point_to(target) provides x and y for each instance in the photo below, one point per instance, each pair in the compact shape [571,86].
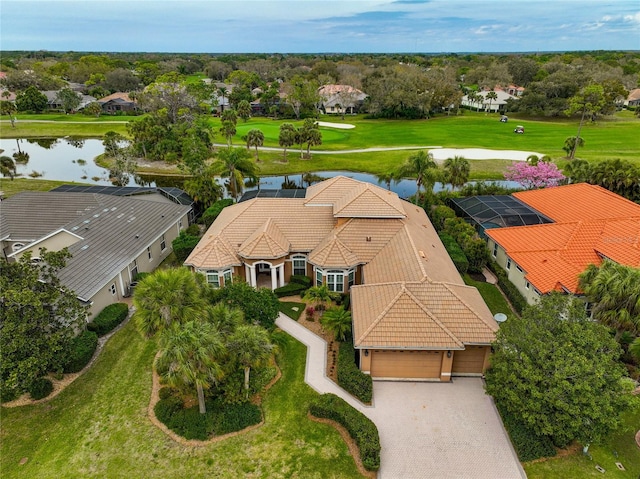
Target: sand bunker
[442,154]
[340,126]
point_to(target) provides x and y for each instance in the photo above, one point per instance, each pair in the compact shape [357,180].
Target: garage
[470,361]
[406,364]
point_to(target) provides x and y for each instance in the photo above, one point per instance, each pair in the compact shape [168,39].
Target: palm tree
[319,295]
[222,91]
[255,138]
[228,130]
[165,297]
[571,144]
[422,167]
[236,164]
[386,178]
[578,171]
[250,346]
[189,356]
[287,137]
[224,318]
[337,321]
[457,171]
[492,95]
[8,167]
[634,349]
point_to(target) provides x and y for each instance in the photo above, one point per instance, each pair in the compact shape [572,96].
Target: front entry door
[263,268]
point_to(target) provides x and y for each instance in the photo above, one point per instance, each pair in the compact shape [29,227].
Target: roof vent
[422,254]
[368,238]
[137,236]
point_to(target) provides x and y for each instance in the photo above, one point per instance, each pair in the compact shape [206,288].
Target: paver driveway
[439,430]
[427,430]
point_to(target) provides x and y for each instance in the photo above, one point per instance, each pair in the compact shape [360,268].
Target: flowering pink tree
[541,175]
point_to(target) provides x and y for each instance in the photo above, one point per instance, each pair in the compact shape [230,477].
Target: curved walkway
[427,430]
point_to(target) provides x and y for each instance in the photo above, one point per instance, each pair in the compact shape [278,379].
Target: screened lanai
[485,212]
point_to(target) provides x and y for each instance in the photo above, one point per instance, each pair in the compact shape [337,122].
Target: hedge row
[301,279]
[350,378]
[108,318]
[455,252]
[363,431]
[81,351]
[290,289]
[528,444]
[507,287]
[219,419]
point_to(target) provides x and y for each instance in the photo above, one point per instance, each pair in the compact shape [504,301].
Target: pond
[68,159]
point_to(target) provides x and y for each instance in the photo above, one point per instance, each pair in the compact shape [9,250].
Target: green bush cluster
[527,443]
[474,247]
[363,431]
[290,289]
[193,230]
[508,288]
[455,252]
[183,245]
[41,388]
[301,279]
[108,318]
[81,351]
[219,419]
[350,378]
[211,213]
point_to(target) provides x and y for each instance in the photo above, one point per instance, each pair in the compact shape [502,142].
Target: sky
[328,26]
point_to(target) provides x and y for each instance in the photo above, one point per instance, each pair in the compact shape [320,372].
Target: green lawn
[11,187]
[492,296]
[578,466]
[286,307]
[98,428]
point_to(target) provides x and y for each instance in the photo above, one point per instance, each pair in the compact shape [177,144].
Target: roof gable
[268,242]
[369,201]
[215,254]
[332,253]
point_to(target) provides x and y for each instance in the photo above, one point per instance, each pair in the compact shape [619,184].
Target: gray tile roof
[115,230]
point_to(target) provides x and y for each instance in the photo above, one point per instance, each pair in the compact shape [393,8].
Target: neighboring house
[590,224]
[339,99]
[54,104]
[633,100]
[117,102]
[485,104]
[512,90]
[413,316]
[111,238]
[220,102]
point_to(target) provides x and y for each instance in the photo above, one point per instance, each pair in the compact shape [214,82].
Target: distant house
[111,238]
[589,224]
[485,104]
[340,99]
[117,102]
[633,100]
[413,316]
[54,104]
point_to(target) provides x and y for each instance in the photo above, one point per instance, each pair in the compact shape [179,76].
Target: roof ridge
[415,250]
[467,305]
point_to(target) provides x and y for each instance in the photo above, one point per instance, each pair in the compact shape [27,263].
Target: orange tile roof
[214,254]
[592,223]
[332,253]
[369,201]
[267,242]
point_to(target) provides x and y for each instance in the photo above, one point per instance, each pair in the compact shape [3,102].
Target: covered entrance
[406,364]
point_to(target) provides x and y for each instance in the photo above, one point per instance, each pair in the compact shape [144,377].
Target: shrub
[363,431]
[193,230]
[439,214]
[140,276]
[301,279]
[81,351]
[350,378]
[7,394]
[476,252]
[311,311]
[108,318]
[455,252]
[260,306]
[165,393]
[528,444]
[41,388]
[211,213]
[234,417]
[183,245]
[290,289]
[508,288]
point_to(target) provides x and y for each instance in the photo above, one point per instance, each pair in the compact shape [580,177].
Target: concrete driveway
[427,430]
[441,430]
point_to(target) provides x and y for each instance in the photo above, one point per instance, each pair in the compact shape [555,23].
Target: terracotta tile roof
[369,201]
[330,191]
[634,95]
[328,90]
[367,236]
[417,315]
[267,242]
[592,223]
[332,253]
[580,201]
[214,254]
[116,96]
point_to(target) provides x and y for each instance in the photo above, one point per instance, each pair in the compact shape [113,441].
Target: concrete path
[427,430]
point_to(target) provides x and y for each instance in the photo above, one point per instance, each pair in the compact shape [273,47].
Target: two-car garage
[435,365]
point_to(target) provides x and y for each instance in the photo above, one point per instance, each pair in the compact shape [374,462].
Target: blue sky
[309,26]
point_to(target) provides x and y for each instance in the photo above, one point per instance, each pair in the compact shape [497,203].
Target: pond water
[67,159]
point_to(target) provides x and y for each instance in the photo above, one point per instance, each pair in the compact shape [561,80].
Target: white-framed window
[495,250]
[527,285]
[519,269]
[509,264]
[299,265]
[149,253]
[163,243]
[179,224]
[227,276]
[134,269]
[17,246]
[352,277]
[112,288]
[335,281]
[318,277]
[535,290]
[213,278]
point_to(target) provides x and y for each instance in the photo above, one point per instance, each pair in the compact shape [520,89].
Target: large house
[413,316]
[589,224]
[111,238]
[118,102]
[340,99]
